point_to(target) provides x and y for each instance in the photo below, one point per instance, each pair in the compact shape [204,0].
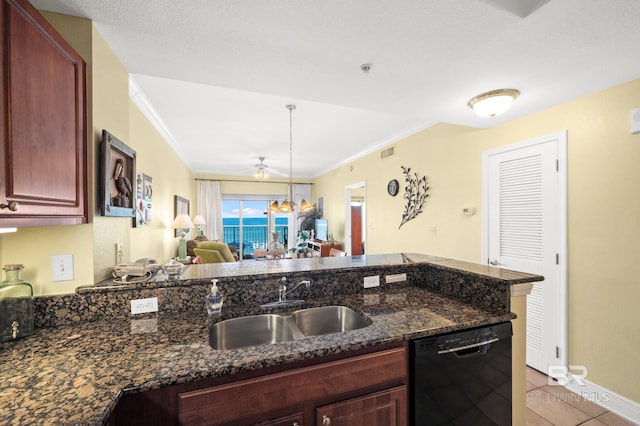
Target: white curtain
[210,207]
[300,191]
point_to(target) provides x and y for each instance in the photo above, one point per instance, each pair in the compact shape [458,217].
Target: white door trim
[561,138]
[347,213]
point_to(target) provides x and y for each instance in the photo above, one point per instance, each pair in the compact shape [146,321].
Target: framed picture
[117,177]
[180,205]
[144,200]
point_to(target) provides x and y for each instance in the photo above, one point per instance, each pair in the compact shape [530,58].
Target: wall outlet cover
[373,281]
[142,306]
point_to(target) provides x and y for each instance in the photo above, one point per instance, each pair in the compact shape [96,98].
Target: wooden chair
[334,252]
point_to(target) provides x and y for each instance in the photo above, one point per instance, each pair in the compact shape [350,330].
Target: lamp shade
[285,207]
[199,220]
[493,103]
[274,207]
[182,221]
[305,206]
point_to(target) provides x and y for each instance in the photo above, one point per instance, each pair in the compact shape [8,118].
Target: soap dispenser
[214,300]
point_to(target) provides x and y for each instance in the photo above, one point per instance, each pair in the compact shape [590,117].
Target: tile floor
[557,406]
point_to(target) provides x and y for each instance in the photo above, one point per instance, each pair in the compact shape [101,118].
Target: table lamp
[198,220]
[182,223]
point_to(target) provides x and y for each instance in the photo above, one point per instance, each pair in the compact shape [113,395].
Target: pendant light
[289,205]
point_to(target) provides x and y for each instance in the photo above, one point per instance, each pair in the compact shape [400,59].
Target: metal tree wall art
[415,192]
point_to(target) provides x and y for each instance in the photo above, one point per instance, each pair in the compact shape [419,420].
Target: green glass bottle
[16,305]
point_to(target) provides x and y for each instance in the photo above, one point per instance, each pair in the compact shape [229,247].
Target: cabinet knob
[326,421]
[11,205]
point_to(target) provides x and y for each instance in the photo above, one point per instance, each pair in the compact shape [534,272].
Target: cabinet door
[285,392]
[43,151]
[386,408]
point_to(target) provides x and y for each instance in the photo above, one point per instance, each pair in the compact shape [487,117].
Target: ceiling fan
[263,170]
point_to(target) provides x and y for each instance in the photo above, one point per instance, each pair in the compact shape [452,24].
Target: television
[321,229]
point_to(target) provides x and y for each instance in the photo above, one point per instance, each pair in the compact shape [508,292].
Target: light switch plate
[635,121]
[142,306]
[62,267]
[395,278]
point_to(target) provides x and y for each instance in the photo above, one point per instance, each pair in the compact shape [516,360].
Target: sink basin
[328,319]
[248,331]
[271,328]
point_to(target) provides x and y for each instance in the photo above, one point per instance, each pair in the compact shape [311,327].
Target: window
[250,224]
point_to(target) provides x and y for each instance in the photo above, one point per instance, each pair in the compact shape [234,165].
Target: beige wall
[603,204]
[93,245]
[170,177]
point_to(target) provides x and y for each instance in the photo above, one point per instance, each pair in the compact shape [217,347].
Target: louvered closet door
[523,236]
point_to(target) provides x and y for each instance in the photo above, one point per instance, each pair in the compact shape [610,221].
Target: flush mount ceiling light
[288,205]
[493,103]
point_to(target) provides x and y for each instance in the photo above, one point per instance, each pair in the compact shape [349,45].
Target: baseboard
[618,404]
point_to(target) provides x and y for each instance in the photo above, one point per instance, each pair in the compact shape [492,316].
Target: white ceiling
[218,73]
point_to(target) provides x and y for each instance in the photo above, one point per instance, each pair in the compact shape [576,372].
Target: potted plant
[308,219]
[301,243]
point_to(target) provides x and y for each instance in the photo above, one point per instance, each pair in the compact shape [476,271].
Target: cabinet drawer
[252,397]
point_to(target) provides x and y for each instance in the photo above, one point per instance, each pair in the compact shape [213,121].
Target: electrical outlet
[372,281]
[396,278]
[142,306]
[62,267]
[118,253]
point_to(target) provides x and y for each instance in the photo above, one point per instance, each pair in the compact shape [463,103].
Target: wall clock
[393,187]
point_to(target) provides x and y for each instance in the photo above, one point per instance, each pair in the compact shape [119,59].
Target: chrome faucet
[282,289]
[282,294]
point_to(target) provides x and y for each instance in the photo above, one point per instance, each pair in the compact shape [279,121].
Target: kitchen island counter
[76,373]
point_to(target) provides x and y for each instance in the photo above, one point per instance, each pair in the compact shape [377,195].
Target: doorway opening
[355,219]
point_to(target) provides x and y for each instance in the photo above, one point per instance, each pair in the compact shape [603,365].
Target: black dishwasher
[462,378]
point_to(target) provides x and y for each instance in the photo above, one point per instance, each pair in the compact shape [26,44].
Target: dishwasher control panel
[461,339]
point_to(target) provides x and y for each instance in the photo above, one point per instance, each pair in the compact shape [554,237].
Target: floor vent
[389,152]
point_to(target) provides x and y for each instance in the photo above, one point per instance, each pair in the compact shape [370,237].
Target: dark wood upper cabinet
[43,149]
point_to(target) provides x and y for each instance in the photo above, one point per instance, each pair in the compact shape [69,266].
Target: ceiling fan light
[493,103]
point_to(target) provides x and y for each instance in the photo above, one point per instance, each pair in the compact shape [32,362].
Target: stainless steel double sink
[273,328]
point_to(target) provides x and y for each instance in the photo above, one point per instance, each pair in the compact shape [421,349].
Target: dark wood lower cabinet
[368,389]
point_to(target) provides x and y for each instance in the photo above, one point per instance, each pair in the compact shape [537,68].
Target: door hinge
[557,352]
[557,258]
[557,165]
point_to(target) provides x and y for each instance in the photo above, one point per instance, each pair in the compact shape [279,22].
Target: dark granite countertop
[87,350]
[75,374]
